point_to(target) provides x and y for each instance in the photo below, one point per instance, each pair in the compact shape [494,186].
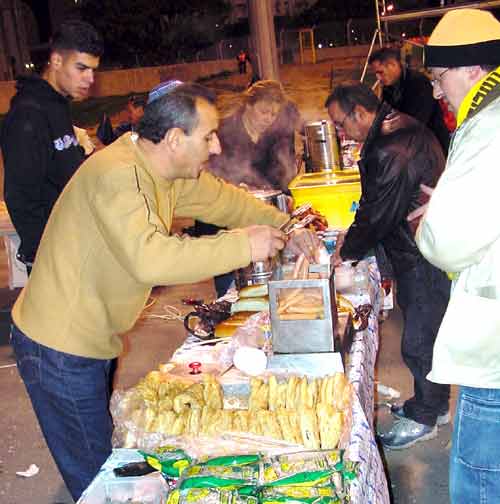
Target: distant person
[108,242]
[257,139]
[393,165]
[460,234]
[39,145]
[258,147]
[409,92]
[135,110]
[242,61]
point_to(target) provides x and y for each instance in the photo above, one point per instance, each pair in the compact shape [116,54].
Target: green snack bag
[210,496]
[237,460]
[170,461]
[212,482]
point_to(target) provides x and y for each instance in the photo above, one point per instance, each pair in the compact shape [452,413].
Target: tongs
[288,226]
[292,226]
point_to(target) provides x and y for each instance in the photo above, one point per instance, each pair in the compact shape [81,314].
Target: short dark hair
[175,109]
[488,68]
[385,54]
[78,36]
[348,95]
[137,100]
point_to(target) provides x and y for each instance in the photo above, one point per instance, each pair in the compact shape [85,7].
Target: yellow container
[335,194]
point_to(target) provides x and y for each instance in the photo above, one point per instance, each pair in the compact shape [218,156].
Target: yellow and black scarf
[480,95]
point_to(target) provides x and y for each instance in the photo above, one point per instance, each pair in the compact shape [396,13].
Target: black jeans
[422,294]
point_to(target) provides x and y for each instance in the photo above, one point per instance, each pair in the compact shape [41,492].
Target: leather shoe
[405,433]
[399,412]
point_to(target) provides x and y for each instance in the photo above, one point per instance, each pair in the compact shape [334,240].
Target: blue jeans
[422,294]
[70,396]
[475,453]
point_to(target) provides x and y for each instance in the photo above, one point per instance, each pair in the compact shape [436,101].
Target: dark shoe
[398,412]
[405,433]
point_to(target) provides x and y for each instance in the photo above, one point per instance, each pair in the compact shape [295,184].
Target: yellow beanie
[464,37]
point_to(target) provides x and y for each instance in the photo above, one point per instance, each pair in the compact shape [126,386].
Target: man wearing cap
[118,211]
[460,233]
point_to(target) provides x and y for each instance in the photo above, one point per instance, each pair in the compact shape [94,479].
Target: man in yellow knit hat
[107,243]
[460,233]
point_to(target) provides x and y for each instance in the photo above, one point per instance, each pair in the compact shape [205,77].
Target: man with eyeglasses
[393,164]
[460,233]
[409,92]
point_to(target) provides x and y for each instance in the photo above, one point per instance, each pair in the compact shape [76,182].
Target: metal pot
[322,147]
[256,273]
[273,197]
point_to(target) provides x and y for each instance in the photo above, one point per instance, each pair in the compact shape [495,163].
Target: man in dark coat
[393,165]
[39,146]
[409,92]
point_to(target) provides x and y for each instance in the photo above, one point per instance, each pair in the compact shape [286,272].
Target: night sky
[40,9]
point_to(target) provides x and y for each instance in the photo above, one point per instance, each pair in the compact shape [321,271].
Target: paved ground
[418,475]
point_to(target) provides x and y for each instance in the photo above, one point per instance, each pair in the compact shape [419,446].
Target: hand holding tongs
[290,226]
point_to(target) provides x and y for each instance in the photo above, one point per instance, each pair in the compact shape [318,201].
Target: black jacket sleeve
[382,208]
[418,99]
[26,153]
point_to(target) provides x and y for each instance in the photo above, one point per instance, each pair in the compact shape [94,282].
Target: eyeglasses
[439,78]
[340,125]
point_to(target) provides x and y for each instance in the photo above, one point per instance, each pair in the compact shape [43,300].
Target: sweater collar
[144,161]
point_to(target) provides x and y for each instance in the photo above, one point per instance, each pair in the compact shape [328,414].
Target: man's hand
[337,259]
[303,241]
[421,209]
[265,241]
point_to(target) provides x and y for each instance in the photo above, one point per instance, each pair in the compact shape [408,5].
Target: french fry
[193,422]
[330,425]
[309,428]
[253,400]
[312,392]
[294,420]
[179,424]
[240,420]
[300,316]
[273,426]
[283,418]
[166,421]
[226,421]
[273,392]
[330,390]
[338,384]
[291,392]
[281,399]
[302,393]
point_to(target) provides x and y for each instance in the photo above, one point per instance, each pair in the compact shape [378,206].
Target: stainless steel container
[260,272]
[273,197]
[322,146]
[306,335]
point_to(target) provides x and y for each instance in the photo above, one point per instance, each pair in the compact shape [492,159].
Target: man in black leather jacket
[395,161]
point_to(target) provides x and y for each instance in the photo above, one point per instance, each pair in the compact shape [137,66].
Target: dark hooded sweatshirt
[41,153]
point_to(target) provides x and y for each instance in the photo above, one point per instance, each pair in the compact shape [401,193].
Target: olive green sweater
[108,242]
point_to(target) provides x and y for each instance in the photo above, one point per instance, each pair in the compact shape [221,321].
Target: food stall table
[370,486]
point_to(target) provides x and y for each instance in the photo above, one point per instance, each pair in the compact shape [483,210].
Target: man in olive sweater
[107,243]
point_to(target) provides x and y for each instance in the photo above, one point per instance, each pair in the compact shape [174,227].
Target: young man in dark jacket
[409,92]
[393,165]
[39,145]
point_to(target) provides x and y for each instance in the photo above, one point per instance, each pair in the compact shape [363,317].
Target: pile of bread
[310,412]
